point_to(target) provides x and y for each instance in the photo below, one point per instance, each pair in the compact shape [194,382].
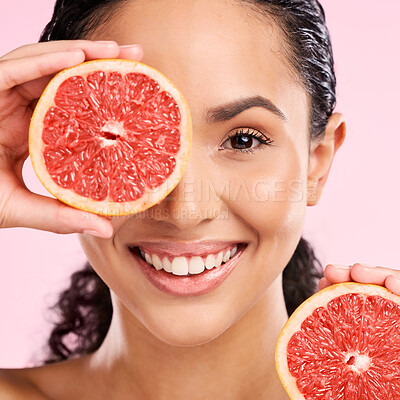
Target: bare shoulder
[47,382]
[15,384]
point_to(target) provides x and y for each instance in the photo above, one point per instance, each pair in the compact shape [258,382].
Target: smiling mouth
[189,266]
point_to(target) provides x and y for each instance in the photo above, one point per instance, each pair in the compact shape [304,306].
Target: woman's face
[216,52]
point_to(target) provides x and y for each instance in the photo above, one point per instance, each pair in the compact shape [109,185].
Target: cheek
[270,193]
[101,255]
[270,196]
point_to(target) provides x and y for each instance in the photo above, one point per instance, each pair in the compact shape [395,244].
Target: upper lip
[192,248]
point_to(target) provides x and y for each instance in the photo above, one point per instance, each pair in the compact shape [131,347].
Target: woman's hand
[387,277]
[24,73]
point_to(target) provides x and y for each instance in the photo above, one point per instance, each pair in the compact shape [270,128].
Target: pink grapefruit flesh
[343,343]
[110,136]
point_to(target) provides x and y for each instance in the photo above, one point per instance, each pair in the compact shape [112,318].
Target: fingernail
[105,41]
[397,280]
[341,266]
[127,46]
[95,233]
[368,265]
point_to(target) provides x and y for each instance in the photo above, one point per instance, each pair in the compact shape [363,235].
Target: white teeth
[210,261]
[196,265]
[191,265]
[218,261]
[166,264]
[180,266]
[148,258]
[157,262]
[226,257]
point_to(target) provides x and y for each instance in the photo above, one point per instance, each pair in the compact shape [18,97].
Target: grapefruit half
[110,136]
[342,343]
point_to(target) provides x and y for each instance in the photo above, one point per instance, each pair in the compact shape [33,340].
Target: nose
[193,201]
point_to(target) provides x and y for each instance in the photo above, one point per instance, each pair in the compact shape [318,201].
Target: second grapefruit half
[343,343]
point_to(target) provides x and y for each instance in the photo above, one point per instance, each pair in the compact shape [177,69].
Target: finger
[33,89]
[338,274]
[393,284]
[35,211]
[131,52]
[323,283]
[21,70]
[376,275]
[92,49]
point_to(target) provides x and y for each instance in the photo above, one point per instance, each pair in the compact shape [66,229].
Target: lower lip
[193,285]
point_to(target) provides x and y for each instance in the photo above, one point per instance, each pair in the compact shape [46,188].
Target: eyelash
[250,133]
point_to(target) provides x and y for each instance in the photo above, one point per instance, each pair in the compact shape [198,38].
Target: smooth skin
[219,345]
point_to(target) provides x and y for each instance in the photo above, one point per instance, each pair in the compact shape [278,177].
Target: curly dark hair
[84,309]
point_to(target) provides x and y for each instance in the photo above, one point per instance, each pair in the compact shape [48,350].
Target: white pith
[115,127]
[189,265]
[361,361]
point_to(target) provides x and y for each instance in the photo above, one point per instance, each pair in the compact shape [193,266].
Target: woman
[259,80]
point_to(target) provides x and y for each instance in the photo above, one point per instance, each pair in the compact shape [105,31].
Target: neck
[238,364]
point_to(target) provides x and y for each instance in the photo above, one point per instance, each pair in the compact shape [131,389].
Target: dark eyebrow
[229,110]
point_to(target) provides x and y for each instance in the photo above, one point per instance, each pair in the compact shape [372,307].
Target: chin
[184,331]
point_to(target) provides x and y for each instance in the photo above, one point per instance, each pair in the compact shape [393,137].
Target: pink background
[357,220]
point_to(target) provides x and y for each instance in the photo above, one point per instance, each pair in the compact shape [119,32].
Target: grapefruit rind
[293,324]
[108,208]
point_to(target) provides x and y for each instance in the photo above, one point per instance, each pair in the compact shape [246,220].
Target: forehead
[213,50]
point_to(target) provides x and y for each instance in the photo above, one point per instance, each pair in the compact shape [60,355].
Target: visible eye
[243,140]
